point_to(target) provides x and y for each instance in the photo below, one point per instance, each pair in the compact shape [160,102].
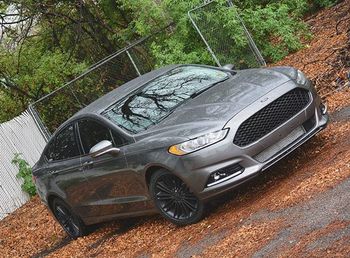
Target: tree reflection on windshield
[158,98]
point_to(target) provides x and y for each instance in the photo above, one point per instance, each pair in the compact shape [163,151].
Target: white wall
[20,135]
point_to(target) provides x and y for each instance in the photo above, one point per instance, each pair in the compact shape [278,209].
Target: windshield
[158,98]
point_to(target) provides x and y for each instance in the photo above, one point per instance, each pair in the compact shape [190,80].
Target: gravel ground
[298,208]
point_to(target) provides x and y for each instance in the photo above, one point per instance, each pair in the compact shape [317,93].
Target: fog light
[217,176]
[323,109]
[224,174]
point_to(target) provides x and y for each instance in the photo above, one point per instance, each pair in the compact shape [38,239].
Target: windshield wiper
[195,94]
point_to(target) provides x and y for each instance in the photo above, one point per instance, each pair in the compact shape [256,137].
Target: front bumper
[197,167]
[256,167]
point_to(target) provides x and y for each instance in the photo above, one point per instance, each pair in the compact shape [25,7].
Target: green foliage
[181,43]
[324,3]
[275,30]
[9,107]
[30,73]
[25,172]
[40,70]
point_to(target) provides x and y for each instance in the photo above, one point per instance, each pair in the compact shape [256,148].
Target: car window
[92,132]
[64,146]
[159,97]
[49,153]
[118,140]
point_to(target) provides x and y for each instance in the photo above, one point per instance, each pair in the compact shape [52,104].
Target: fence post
[42,128]
[133,62]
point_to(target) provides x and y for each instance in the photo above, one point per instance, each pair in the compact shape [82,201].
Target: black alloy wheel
[70,222]
[174,199]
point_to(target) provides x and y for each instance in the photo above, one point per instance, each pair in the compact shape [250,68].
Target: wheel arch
[151,170]
[51,197]
[172,167]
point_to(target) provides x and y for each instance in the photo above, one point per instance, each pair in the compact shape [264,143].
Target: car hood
[213,108]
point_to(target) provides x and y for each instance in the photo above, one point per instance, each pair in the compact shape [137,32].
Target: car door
[64,170]
[108,175]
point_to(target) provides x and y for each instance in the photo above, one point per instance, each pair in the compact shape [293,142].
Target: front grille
[271,116]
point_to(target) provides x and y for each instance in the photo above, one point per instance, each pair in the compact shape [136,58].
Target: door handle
[88,165]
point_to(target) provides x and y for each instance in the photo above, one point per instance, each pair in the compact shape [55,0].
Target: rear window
[158,98]
[64,146]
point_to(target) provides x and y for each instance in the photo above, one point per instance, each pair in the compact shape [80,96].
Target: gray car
[171,139]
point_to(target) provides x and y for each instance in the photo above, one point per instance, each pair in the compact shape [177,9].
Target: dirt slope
[299,207]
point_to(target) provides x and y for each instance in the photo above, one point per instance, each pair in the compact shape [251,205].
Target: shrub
[25,172]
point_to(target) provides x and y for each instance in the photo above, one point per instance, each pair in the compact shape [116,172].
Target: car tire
[70,222]
[174,199]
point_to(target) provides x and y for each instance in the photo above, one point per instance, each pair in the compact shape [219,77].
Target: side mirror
[102,148]
[229,66]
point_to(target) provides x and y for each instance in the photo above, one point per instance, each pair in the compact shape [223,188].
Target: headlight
[301,78]
[198,143]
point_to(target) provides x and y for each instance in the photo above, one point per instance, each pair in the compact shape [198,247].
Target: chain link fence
[225,34]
